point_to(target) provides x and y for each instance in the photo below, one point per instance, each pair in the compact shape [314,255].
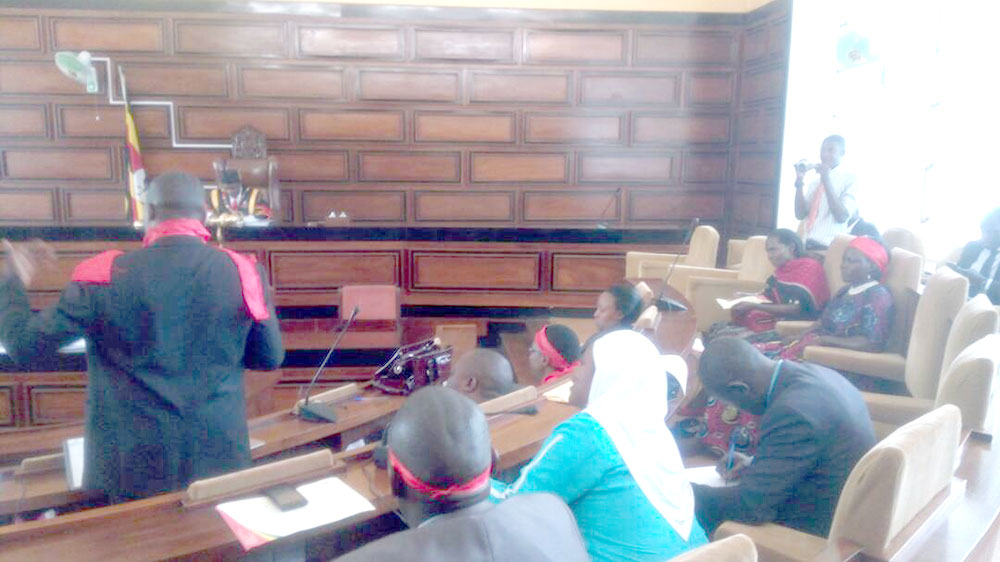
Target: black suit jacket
[814,431]
[970,253]
[524,528]
[167,341]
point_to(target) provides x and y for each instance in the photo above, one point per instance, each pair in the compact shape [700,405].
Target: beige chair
[734,252]
[916,360]
[890,494]
[832,259]
[703,286]
[702,252]
[905,239]
[737,548]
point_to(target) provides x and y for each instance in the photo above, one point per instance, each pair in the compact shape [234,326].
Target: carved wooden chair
[256,170]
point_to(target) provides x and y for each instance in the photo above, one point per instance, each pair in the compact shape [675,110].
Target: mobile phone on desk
[285,497]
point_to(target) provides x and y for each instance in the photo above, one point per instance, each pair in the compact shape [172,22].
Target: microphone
[603,224]
[318,411]
[667,303]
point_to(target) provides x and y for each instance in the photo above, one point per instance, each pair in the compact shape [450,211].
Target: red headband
[558,362]
[437,492]
[872,250]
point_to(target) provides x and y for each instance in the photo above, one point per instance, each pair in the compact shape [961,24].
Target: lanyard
[774,380]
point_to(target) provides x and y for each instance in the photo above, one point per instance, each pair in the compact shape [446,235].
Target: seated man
[482,374]
[440,459]
[814,428]
[979,261]
[555,352]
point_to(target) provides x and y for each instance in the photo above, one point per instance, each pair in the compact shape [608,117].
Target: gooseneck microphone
[603,224]
[318,411]
[667,303]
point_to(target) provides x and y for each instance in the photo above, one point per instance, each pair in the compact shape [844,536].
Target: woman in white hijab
[616,463]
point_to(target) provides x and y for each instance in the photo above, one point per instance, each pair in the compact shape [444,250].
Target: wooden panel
[195,162]
[757,167]
[582,272]
[378,43]
[7,404]
[96,206]
[568,47]
[312,165]
[331,270]
[503,167]
[762,85]
[526,88]
[708,89]
[443,206]
[408,86]
[20,34]
[301,82]
[55,278]
[25,121]
[753,209]
[778,36]
[663,205]
[571,205]
[630,89]
[100,35]
[243,39]
[360,206]
[702,167]
[441,44]
[760,126]
[540,127]
[755,43]
[59,163]
[598,166]
[685,48]
[168,81]
[680,129]
[218,123]
[60,404]
[109,122]
[36,78]
[27,206]
[409,166]
[471,271]
[464,127]
[321,124]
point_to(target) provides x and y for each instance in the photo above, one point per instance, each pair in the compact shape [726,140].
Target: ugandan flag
[136,171]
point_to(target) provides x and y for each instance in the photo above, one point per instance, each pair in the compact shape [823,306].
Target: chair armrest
[704,290]
[776,543]
[890,366]
[895,410]
[792,328]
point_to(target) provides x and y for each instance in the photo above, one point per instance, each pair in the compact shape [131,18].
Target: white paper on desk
[73,451]
[560,393]
[330,500]
[752,299]
[707,476]
[75,347]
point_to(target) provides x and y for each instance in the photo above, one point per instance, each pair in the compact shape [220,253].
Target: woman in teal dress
[615,463]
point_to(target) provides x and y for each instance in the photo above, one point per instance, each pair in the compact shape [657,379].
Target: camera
[803,166]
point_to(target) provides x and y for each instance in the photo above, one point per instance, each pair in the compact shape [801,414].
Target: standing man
[980,260]
[827,206]
[169,330]
[813,430]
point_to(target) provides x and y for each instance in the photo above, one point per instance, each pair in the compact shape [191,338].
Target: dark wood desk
[160,527]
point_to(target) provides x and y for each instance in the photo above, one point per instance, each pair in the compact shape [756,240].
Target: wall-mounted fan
[78,67]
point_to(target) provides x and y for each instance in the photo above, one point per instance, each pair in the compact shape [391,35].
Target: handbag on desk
[414,366]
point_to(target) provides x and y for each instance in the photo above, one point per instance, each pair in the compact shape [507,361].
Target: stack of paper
[752,299]
[256,520]
[707,476]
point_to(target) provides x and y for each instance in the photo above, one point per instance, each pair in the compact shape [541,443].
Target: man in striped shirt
[827,206]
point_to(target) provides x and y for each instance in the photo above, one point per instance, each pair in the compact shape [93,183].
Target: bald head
[441,436]
[482,374]
[175,195]
[734,370]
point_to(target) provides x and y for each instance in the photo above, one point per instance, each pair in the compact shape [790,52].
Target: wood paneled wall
[443,122]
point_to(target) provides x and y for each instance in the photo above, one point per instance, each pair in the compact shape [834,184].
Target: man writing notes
[169,330]
[440,460]
[827,206]
[813,430]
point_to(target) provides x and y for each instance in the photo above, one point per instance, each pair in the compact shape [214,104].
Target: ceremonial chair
[257,170]
[905,239]
[702,252]
[917,359]
[971,360]
[737,548]
[704,285]
[898,488]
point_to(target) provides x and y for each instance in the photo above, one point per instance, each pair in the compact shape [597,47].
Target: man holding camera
[827,206]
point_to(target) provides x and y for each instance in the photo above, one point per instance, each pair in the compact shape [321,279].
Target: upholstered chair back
[755,265]
[905,239]
[970,382]
[939,305]
[737,548]
[977,319]
[704,247]
[896,479]
[902,278]
[834,255]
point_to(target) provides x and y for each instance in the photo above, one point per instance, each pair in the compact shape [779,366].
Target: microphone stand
[667,303]
[319,411]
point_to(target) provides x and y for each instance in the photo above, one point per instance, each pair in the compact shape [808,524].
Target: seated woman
[554,353]
[617,309]
[615,463]
[796,291]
